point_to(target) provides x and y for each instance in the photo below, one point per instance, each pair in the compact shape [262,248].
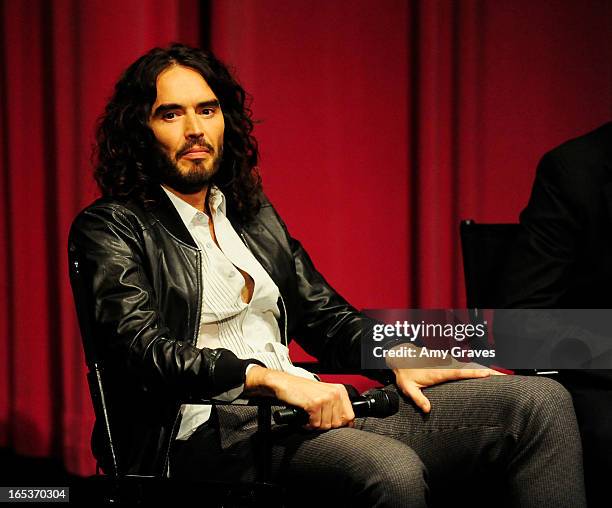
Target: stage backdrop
[382,125]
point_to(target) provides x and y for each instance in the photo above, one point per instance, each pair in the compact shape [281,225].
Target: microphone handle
[298,416]
[290,415]
[362,407]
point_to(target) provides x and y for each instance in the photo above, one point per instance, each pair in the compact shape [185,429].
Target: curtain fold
[59,62]
[382,125]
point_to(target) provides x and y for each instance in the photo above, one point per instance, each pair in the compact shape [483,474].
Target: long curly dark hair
[127,156]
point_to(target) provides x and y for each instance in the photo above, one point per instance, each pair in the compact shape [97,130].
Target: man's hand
[410,381]
[328,405]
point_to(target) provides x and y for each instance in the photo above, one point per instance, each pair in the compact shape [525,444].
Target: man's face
[188,124]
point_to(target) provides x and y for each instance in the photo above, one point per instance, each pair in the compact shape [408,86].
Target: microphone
[378,403]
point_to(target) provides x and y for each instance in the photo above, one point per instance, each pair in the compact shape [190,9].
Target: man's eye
[170,115]
[208,111]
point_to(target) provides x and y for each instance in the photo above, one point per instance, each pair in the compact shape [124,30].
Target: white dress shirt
[248,329]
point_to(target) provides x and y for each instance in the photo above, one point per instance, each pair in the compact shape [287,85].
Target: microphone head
[385,403]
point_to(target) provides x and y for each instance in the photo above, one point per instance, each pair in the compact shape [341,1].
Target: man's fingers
[343,410]
[315,419]
[414,392]
[336,420]
[470,373]
[442,375]
[410,381]
[328,406]
[474,365]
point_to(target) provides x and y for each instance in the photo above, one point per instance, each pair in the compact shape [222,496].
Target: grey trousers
[516,433]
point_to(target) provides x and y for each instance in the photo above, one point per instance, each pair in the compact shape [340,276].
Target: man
[563,260]
[198,286]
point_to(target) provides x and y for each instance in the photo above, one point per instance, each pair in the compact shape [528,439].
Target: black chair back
[485,249]
[84,308]
[126,488]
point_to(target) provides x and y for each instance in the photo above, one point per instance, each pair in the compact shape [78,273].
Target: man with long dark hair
[198,286]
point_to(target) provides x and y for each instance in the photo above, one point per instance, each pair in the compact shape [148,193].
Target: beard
[195,178]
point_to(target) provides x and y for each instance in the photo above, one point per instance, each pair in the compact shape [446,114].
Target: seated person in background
[198,286]
[563,260]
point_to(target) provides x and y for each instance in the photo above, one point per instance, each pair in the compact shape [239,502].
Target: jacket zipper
[173,433]
[285,319]
[196,333]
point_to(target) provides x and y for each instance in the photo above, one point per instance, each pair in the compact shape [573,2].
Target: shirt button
[208,245]
[231,274]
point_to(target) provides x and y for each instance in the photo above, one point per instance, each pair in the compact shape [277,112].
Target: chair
[485,249]
[116,487]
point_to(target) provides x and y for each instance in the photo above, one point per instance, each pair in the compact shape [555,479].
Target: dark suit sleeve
[129,331]
[540,266]
[541,274]
[329,328]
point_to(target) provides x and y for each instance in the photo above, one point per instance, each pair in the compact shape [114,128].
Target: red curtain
[385,123]
[59,62]
[382,125]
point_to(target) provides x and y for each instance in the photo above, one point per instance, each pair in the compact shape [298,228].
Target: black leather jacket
[142,268]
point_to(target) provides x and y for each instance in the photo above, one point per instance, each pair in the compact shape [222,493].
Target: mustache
[201,142]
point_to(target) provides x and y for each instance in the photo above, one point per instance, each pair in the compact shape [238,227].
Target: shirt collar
[188,212]
[217,200]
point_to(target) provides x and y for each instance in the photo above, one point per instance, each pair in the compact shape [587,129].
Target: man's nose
[193,126]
